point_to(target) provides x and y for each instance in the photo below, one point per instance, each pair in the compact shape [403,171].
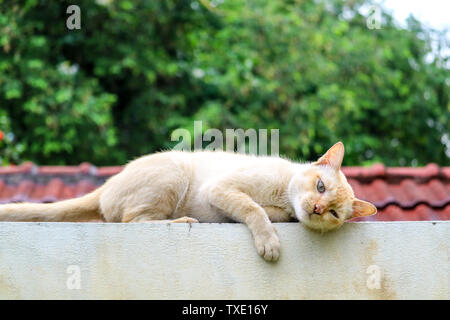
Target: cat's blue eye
[320,186]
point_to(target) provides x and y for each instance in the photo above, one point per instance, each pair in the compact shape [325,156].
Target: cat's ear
[333,157]
[362,208]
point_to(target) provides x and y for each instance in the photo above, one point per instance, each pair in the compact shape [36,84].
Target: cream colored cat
[215,187]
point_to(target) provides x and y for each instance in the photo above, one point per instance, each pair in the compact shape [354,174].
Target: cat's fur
[214,187]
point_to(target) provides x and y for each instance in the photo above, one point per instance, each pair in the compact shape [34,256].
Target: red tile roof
[399,193]
[403,193]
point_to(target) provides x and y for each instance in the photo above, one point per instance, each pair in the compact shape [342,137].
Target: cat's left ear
[333,157]
[362,208]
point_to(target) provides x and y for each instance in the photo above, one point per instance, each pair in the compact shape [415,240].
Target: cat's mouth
[313,215]
[307,213]
[311,218]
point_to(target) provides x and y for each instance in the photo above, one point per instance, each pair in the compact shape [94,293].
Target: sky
[435,13]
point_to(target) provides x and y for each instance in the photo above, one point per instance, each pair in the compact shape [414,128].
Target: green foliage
[137,70]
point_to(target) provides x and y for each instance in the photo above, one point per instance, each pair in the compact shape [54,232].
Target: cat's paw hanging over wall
[268,245]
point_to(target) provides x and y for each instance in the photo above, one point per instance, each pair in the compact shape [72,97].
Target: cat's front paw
[185,220]
[268,246]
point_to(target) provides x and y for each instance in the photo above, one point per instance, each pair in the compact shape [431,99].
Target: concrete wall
[402,260]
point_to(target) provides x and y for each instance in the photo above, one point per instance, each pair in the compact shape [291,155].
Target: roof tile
[109,171]
[54,190]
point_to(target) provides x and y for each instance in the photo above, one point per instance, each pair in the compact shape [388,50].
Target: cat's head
[321,196]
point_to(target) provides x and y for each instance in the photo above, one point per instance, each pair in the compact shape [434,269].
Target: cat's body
[215,186]
[189,178]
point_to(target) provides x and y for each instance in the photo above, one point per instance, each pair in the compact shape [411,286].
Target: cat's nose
[318,209]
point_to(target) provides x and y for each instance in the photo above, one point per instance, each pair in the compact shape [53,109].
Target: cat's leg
[149,218]
[240,207]
[277,214]
[184,220]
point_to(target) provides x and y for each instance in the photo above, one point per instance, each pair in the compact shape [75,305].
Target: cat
[215,186]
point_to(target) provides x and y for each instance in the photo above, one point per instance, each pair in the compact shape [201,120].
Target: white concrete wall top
[396,260]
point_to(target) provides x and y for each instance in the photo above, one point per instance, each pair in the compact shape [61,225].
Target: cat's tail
[84,208]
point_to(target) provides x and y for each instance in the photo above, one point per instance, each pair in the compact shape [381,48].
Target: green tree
[137,70]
